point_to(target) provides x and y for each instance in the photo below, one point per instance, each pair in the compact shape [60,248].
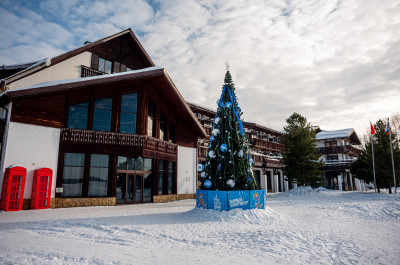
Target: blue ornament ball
[228,105]
[219,167]
[208,184]
[224,147]
[212,138]
[249,179]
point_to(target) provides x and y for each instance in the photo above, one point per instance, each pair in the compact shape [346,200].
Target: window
[161,177]
[134,163]
[105,65]
[330,144]
[102,114]
[78,115]
[332,158]
[163,126]
[73,174]
[98,175]
[171,176]
[151,119]
[128,113]
[171,133]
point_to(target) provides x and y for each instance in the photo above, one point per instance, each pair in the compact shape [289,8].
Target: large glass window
[171,174]
[151,119]
[163,126]
[74,165]
[161,177]
[98,175]
[78,115]
[102,114]
[105,65]
[128,113]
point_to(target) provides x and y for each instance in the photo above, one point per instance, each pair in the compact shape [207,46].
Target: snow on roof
[17,66]
[81,79]
[343,133]
[46,61]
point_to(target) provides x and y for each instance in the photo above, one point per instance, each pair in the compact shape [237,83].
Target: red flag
[372,129]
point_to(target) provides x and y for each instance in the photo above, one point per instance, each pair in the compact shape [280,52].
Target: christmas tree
[228,164]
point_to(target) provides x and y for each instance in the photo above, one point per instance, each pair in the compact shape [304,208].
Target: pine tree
[300,158]
[362,167]
[228,163]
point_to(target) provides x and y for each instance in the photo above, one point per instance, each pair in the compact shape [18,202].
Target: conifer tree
[228,163]
[300,158]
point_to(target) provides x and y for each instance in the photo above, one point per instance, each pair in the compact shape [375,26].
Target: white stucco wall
[68,69]
[186,170]
[32,147]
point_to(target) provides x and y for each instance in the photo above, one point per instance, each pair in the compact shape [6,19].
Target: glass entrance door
[129,188]
[121,188]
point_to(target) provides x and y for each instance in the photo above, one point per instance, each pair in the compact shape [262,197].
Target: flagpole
[391,151]
[373,159]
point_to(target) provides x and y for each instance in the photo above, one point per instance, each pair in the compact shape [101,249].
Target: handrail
[121,139]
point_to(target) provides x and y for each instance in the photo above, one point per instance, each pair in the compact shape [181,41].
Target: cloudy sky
[335,62]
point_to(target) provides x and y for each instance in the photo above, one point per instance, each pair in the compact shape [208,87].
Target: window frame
[105,65]
[128,112]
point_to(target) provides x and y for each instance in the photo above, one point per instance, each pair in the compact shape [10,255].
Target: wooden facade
[49,106]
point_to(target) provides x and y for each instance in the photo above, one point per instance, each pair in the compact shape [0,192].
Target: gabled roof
[156,76]
[123,47]
[349,133]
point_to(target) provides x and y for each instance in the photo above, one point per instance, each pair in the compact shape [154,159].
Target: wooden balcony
[77,136]
[202,153]
[208,130]
[266,145]
[86,72]
[338,150]
[261,161]
[337,164]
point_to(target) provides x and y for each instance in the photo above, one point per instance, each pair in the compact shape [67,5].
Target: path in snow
[298,227]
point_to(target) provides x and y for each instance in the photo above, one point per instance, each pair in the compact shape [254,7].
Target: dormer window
[105,65]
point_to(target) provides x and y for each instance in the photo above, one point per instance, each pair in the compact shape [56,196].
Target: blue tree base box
[229,200]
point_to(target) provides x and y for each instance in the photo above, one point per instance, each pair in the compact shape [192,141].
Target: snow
[334,134]
[307,227]
[81,79]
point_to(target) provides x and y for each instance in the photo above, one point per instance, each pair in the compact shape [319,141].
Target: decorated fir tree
[228,164]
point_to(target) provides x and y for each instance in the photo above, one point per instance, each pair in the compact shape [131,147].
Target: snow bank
[255,216]
[350,228]
[303,192]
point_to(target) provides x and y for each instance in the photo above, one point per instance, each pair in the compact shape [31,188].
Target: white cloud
[335,62]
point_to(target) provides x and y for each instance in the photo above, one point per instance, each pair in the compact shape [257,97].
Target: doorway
[129,188]
[134,180]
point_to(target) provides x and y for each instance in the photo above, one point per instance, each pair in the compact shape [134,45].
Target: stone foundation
[108,201]
[173,197]
[82,202]
[74,202]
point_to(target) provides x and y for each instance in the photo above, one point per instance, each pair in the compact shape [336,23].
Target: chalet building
[265,147]
[110,124]
[338,150]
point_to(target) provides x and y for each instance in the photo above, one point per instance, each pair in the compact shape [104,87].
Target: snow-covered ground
[301,226]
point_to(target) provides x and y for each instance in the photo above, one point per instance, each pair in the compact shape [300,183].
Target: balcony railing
[78,136]
[86,72]
[337,164]
[202,152]
[339,149]
[263,144]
